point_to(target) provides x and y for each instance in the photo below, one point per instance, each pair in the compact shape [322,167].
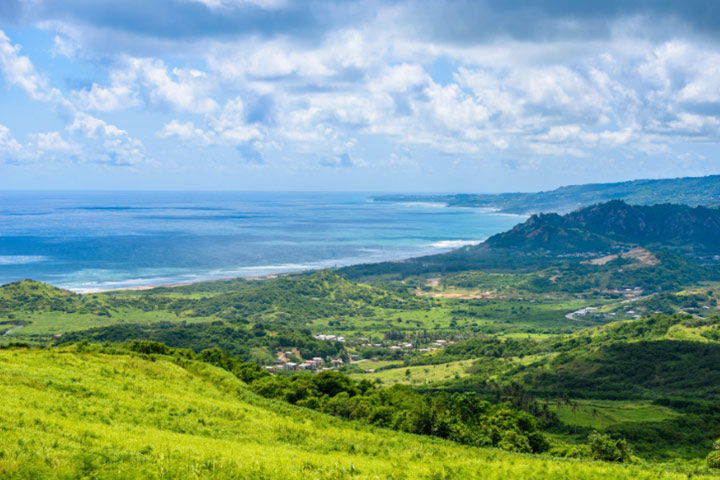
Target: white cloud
[228,129]
[265,4]
[53,142]
[43,146]
[178,89]
[109,144]
[102,142]
[97,98]
[380,82]
[19,70]
[10,149]
[183,131]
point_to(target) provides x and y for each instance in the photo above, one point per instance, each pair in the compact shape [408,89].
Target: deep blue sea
[89,241]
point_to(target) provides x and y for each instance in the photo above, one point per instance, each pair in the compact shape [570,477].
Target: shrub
[604,447]
[713,458]
[148,347]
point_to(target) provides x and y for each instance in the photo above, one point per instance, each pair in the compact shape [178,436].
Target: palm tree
[595,413]
[574,410]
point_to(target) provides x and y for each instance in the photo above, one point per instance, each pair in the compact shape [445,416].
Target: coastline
[192,282]
[438,247]
[142,241]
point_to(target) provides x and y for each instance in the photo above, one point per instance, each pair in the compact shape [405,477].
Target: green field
[599,414]
[419,375]
[52,323]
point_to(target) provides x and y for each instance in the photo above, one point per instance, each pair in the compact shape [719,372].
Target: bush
[713,458]
[148,347]
[604,447]
[568,450]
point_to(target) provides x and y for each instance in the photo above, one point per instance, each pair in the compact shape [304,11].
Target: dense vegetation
[645,360]
[602,226]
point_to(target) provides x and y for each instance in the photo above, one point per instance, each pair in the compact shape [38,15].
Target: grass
[53,323]
[599,414]
[541,316]
[419,374]
[68,414]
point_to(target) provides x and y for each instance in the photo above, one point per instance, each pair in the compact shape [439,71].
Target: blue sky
[473,96]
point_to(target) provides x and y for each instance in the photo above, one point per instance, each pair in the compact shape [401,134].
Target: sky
[403,96]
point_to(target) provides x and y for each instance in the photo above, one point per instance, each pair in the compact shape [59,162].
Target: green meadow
[422,374]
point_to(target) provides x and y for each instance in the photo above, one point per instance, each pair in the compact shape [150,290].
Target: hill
[609,224]
[693,191]
[592,248]
[70,414]
[669,363]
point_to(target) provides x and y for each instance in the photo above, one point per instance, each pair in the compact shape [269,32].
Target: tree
[713,458]
[595,414]
[604,447]
[574,408]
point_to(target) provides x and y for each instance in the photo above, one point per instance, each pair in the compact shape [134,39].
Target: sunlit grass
[68,415]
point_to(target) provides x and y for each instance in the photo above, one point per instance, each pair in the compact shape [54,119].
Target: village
[289,359]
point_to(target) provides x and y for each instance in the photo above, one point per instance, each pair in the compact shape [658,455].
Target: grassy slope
[598,414]
[419,375]
[70,414]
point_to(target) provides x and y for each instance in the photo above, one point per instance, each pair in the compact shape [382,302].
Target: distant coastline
[692,191]
[440,246]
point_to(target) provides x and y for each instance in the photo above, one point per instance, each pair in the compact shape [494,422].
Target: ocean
[91,241]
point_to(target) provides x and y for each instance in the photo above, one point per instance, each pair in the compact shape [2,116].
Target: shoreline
[436,248]
[153,286]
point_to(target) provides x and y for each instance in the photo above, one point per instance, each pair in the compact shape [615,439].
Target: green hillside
[601,226]
[693,191]
[684,239]
[69,413]
[653,381]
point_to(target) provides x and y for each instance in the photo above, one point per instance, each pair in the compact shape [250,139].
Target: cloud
[184,131]
[54,142]
[19,71]
[11,151]
[102,142]
[458,82]
[144,28]
[338,161]
[41,147]
[110,25]
[229,4]
[230,128]
[177,89]
[97,98]
[109,144]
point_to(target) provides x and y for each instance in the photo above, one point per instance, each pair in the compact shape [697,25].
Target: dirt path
[14,327]
[460,296]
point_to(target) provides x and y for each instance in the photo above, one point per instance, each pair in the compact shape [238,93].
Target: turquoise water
[101,240]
